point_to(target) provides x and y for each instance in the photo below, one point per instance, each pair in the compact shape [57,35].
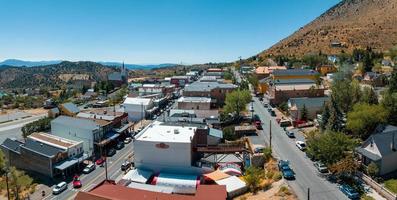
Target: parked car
[349,191]
[60,187]
[301,145]
[120,145]
[290,134]
[265,105]
[76,182]
[272,113]
[89,168]
[321,167]
[126,165]
[100,161]
[127,140]
[258,125]
[285,169]
[111,152]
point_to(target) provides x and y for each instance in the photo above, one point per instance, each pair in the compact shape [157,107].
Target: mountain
[54,75]
[136,66]
[21,63]
[349,24]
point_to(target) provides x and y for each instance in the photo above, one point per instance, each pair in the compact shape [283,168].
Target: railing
[376,186]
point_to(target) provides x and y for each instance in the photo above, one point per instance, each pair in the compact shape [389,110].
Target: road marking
[101,174]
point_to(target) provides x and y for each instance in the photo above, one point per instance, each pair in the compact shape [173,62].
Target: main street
[98,175]
[284,148]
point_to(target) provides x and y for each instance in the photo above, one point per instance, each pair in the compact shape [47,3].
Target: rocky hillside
[348,25]
[52,75]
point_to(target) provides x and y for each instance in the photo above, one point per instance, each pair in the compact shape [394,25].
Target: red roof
[107,191]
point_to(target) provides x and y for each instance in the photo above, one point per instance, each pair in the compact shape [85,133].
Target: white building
[137,107]
[194,103]
[165,147]
[78,129]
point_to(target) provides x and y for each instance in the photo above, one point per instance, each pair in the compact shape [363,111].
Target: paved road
[284,148]
[98,175]
[13,129]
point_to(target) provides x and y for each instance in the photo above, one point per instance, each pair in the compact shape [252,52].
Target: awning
[125,127]
[70,162]
[108,137]
[216,175]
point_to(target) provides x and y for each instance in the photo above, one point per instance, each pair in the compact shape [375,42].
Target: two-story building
[45,154]
[194,103]
[214,90]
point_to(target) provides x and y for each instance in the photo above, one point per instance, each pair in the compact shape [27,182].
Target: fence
[377,187]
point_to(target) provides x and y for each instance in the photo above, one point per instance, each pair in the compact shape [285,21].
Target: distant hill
[136,66]
[23,63]
[53,75]
[349,24]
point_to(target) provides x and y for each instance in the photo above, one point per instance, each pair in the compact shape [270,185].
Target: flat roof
[297,87]
[161,132]
[195,99]
[53,140]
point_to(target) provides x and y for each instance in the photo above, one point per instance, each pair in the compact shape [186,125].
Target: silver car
[60,188]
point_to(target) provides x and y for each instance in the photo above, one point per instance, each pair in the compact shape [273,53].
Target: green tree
[236,102]
[18,181]
[228,133]
[40,125]
[329,147]
[393,83]
[325,116]
[267,154]
[2,163]
[389,102]
[373,169]
[253,177]
[369,96]
[304,113]
[335,120]
[364,118]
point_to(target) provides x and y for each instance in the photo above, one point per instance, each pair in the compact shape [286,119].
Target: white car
[127,140]
[89,168]
[301,145]
[60,188]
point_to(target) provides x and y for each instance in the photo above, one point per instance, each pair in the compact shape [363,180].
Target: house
[94,133]
[313,106]
[374,79]
[194,103]
[380,148]
[138,108]
[325,69]
[45,154]
[53,112]
[69,109]
[214,90]
[282,90]
[266,71]
[246,69]
[214,70]
[180,81]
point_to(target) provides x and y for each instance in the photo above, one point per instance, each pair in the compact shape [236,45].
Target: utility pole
[106,166]
[8,190]
[270,133]
[308,193]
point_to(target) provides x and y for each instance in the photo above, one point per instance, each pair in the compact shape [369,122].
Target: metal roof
[308,102]
[216,133]
[12,145]
[294,72]
[71,107]
[41,148]
[208,86]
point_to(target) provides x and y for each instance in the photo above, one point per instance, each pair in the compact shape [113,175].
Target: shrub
[391,185]
[277,176]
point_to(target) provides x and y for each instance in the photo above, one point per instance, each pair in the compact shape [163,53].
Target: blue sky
[149,31]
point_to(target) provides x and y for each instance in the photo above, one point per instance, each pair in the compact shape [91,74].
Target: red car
[100,161]
[76,182]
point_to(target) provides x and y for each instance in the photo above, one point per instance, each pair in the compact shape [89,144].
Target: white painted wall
[76,134]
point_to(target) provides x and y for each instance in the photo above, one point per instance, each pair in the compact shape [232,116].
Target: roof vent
[176,131]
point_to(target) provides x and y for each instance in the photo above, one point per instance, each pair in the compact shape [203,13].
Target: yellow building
[325,69]
[295,75]
[69,109]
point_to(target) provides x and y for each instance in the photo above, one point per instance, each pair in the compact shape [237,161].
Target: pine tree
[325,116]
[335,119]
[304,113]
